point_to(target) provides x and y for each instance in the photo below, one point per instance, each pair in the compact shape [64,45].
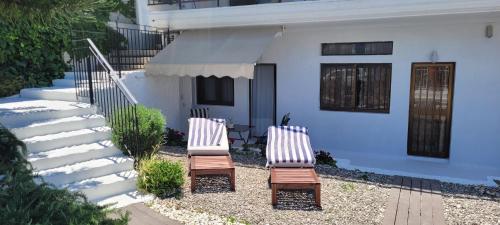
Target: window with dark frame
[215,91]
[357,48]
[356,87]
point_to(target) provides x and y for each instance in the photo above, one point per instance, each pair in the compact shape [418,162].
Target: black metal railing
[194,4]
[128,48]
[98,83]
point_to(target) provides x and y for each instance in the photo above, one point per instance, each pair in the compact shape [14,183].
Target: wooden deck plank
[392,203]
[426,203]
[414,211]
[437,204]
[404,203]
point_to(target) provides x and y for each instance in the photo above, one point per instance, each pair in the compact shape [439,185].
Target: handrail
[112,72]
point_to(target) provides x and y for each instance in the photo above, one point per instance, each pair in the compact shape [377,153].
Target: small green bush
[160,177]
[324,157]
[143,142]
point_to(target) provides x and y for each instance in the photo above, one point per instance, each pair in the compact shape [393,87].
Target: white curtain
[263,99]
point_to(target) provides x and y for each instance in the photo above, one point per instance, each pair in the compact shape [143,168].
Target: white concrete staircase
[69,144]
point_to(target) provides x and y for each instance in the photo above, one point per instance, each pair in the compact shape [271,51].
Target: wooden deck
[414,201]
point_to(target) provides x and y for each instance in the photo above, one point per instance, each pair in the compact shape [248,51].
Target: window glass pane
[215,91]
[209,89]
[355,87]
[357,48]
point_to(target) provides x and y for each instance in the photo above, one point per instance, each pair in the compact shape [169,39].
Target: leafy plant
[348,187]
[174,137]
[162,178]
[285,120]
[144,141]
[324,157]
[24,201]
[34,34]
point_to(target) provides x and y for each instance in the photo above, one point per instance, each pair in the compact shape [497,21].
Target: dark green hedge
[34,34]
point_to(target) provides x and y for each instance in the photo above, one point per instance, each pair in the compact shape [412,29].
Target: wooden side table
[212,165]
[295,178]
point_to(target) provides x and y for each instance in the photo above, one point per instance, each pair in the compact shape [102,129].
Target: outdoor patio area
[348,197]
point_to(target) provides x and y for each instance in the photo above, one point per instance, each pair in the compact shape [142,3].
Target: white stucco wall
[475,132]
[157,92]
[476,108]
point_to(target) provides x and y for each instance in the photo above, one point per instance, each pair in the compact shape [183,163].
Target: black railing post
[180,4]
[89,79]
[218,3]
[118,49]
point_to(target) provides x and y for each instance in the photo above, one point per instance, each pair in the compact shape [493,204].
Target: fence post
[89,78]
[116,40]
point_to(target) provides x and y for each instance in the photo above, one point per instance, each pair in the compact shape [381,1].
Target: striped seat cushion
[289,146]
[205,132]
[199,113]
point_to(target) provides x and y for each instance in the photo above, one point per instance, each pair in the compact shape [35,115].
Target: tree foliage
[34,34]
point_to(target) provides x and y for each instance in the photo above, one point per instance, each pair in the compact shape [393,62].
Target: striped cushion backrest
[205,132]
[289,144]
[199,113]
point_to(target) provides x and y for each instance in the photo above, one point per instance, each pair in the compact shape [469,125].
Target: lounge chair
[291,160]
[208,150]
[199,113]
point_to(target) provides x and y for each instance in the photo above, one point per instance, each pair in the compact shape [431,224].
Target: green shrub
[143,142]
[174,138]
[34,34]
[24,201]
[160,177]
[324,157]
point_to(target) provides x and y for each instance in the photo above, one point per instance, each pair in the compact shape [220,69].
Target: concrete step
[69,75]
[105,186]
[134,53]
[51,126]
[73,154]
[69,138]
[63,83]
[129,60]
[122,200]
[20,112]
[50,93]
[86,170]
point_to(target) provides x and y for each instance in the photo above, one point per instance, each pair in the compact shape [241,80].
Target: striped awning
[205,132]
[289,146]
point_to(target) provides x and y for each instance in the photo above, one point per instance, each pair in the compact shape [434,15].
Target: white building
[396,87]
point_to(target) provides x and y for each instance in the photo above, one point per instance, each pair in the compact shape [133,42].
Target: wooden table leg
[193,181]
[317,194]
[233,180]
[274,197]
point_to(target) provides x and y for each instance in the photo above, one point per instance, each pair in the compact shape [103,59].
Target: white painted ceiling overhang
[213,52]
[315,11]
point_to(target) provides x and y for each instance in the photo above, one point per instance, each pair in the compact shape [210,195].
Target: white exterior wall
[157,92]
[476,106]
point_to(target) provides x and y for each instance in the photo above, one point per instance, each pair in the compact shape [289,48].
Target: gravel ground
[471,204]
[348,197]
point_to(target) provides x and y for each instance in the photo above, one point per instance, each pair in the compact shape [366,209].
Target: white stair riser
[47,95]
[41,146]
[108,190]
[63,83]
[19,120]
[43,164]
[60,179]
[66,83]
[26,132]
[69,75]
